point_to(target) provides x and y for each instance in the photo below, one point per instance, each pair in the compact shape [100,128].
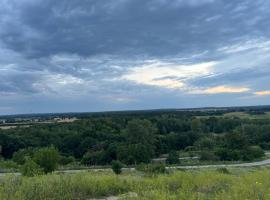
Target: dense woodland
[134,138]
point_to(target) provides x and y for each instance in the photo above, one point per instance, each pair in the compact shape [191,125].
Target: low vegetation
[117,167]
[204,185]
[147,142]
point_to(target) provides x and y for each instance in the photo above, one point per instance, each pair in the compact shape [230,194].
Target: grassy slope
[188,185]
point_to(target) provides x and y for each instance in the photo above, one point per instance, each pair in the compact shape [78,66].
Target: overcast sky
[96,55]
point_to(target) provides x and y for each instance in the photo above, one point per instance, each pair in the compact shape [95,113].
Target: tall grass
[62,187]
[191,185]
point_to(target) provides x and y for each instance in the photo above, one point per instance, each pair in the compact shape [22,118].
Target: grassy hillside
[203,185]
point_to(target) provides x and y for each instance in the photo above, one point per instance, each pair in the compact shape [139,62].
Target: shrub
[173,158]
[8,165]
[208,156]
[265,145]
[47,158]
[205,143]
[64,160]
[152,168]
[228,154]
[252,152]
[30,168]
[117,167]
[93,157]
[248,154]
[223,170]
[20,156]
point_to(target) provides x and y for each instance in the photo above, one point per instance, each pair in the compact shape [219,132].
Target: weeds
[190,185]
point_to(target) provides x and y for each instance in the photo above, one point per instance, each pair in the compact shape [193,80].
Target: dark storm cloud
[83,48]
[127,27]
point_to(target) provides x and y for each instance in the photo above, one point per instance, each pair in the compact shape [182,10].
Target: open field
[202,184]
[244,115]
[7,126]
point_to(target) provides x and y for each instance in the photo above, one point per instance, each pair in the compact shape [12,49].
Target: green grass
[190,185]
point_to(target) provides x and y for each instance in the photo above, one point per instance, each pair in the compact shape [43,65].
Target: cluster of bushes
[37,161]
[247,154]
[231,147]
[173,158]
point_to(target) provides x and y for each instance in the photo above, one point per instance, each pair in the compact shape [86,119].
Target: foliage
[140,141]
[196,125]
[20,156]
[205,143]
[65,160]
[236,140]
[93,157]
[252,152]
[135,138]
[152,169]
[8,165]
[208,156]
[47,158]
[117,167]
[173,158]
[229,154]
[30,168]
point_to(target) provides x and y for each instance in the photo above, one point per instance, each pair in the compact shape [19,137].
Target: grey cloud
[18,83]
[249,76]
[154,28]
[94,42]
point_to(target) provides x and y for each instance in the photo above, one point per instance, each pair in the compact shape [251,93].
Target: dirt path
[251,164]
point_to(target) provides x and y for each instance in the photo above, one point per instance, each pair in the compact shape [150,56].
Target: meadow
[231,184]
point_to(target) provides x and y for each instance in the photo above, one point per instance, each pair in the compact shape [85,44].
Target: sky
[103,55]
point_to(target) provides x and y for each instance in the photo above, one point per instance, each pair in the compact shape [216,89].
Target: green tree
[140,131]
[65,160]
[196,125]
[47,158]
[93,157]
[117,166]
[205,143]
[236,140]
[252,152]
[140,140]
[20,156]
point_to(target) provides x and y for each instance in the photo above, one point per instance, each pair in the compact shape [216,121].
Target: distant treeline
[137,137]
